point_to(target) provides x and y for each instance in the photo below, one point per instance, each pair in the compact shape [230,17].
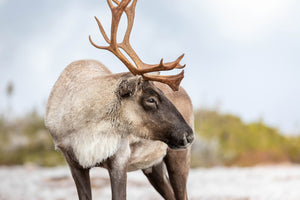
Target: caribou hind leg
[81,178]
[157,176]
[178,164]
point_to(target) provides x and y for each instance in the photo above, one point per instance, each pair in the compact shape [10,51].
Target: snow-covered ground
[219,183]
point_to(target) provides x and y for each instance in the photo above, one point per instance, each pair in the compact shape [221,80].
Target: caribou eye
[151,100]
[150,103]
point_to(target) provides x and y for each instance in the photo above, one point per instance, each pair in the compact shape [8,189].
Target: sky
[242,56]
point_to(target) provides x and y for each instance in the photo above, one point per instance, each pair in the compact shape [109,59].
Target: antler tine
[161,66]
[171,80]
[125,45]
[116,1]
[102,30]
[110,4]
[175,64]
[130,13]
[97,46]
[178,66]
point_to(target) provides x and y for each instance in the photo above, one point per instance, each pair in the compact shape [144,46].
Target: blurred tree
[9,93]
[9,89]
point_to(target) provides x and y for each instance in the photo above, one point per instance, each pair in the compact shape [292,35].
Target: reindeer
[125,121]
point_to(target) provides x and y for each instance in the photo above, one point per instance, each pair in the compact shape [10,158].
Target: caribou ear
[129,86]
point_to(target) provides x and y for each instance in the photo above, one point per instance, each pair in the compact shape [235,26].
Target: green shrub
[26,140]
[245,144]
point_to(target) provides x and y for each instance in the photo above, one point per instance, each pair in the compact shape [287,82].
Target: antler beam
[140,67]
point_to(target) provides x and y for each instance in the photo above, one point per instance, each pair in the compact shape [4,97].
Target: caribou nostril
[185,141]
[190,138]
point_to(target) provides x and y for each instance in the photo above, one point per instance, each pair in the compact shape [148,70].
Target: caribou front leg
[117,168]
[81,177]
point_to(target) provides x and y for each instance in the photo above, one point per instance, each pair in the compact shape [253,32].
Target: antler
[141,68]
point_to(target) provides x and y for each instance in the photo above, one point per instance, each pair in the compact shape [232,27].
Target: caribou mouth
[178,147]
[181,144]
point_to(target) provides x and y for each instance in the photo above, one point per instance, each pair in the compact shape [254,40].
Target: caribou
[123,122]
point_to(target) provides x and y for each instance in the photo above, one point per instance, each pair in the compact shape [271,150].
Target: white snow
[219,183]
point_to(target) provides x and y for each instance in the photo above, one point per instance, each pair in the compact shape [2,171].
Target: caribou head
[160,120]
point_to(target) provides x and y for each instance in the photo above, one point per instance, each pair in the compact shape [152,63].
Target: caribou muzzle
[180,139]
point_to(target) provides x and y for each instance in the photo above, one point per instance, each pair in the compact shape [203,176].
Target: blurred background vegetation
[222,139]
